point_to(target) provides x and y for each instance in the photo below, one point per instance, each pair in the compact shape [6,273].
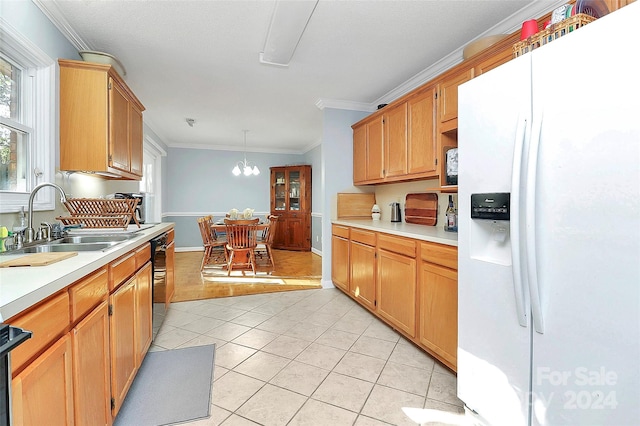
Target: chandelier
[243,166]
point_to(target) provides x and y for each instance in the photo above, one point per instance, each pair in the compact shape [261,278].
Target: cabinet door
[144,305]
[43,392]
[449,94]
[421,138]
[279,190]
[170,278]
[439,311]
[375,149]
[397,290]
[119,151]
[359,154]
[362,283]
[294,232]
[135,134]
[294,185]
[340,262]
[91,363]
[123,343]
[494,61]
[395,130]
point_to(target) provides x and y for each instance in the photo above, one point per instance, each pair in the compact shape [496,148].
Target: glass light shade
[247,170]
[256,171]
[236,170]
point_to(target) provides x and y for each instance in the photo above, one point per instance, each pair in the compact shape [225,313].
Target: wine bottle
[451,215]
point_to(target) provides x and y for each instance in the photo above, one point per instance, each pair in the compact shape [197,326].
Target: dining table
[221,227]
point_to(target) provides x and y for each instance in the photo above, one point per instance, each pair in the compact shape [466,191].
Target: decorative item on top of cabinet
[100,122]
[291,200]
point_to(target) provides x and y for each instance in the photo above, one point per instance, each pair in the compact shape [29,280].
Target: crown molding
[507,26]
[323,103]
[51,11]
[234,148]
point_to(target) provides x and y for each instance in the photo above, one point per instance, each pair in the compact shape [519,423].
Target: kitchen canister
[375,212]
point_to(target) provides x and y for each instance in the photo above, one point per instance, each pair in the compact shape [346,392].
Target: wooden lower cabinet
[143,314]
[396,293]
[123,342]
[362,282]
[43,392]
[340,262]
[87,345]
[439,311]
[411,285]
[91,384]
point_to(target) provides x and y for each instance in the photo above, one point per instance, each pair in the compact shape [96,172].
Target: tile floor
[308,357]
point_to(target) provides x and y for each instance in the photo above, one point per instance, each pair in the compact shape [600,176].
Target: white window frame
[39,78]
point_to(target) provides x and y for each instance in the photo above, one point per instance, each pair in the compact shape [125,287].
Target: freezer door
[494,329]
[586,223]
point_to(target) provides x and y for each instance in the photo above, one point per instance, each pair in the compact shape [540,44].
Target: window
[27,121]
[14,148]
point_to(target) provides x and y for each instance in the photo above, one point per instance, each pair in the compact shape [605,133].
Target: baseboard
[180,249]
[316,251]
[327,284]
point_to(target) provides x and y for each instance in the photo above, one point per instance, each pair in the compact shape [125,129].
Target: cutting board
[38,259]
[421,208]
[355,206]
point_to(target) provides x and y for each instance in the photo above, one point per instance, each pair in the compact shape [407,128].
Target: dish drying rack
[555,31]
[100,213]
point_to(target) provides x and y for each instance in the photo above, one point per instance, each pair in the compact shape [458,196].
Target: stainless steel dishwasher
[159,271]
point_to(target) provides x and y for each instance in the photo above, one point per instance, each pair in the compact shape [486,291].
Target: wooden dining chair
[210,241]
[264,246]
[241,243]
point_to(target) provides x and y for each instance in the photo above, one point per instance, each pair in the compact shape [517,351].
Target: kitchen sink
[57,247]
[96,242]
[93,239]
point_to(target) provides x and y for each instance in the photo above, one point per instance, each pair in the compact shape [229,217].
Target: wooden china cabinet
[291,201]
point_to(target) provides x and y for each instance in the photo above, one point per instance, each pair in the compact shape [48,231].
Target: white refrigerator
[549,232]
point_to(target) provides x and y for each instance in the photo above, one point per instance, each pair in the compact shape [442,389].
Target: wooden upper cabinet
[100,122]
[135,118]
[493,61]
[375,149]
[421,135]
[119,139]
[359,154]
[368,151]
[448,90]
[395,133]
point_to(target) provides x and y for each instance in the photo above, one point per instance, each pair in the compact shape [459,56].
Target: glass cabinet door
[294,190]
[280,191]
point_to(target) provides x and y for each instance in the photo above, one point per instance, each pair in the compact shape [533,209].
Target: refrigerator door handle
[514,223]
[530,226]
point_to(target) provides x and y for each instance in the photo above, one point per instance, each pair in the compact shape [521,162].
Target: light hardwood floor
[293,271]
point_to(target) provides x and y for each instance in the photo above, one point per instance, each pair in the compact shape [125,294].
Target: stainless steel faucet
[29,232]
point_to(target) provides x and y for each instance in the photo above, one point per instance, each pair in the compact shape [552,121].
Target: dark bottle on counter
[451,215]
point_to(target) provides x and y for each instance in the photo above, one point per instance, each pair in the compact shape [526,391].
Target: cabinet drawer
[440,254]
[170,236]
[364,237]
[143,255]
[88,293]
[340,231]
[397,245]
[47,322]
[121,269]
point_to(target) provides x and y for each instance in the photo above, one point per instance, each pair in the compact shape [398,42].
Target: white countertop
[24,286]
[434,234]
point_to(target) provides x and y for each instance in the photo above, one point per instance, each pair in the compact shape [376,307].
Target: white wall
[337,170]
[199,182]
